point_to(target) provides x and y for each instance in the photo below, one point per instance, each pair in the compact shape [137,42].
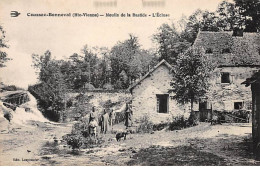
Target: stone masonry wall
[144,96]
[223,95]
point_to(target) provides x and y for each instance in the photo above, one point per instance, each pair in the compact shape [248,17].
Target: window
[204,105]
[225,77]
[238,105]
[162,103]
[209,50]
[226,50]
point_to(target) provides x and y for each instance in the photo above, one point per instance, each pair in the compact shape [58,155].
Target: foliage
[74,140]
[251,11]
[3,45]
[80,138]
[180,122]
[199,20]
[170,43]
[81,105]
[160,126]
[53,87]
[145,125]
[128,62]
[228,16]
[191,76]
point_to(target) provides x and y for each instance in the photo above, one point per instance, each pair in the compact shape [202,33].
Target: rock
[47,157]
[111,139]
[152,132]
[134,151]
[90,151]
[122,149]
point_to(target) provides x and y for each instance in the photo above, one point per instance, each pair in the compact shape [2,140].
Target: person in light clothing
[93,128]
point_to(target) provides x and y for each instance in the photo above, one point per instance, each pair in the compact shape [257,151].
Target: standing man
[105,122]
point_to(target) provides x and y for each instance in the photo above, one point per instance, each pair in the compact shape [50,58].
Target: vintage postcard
[129,83]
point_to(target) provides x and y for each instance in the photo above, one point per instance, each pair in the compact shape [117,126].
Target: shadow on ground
[175,156]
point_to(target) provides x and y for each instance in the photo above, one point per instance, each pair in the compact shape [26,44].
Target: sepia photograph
[129,83]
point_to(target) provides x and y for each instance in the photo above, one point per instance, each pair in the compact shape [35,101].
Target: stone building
[237,56]
[151,95]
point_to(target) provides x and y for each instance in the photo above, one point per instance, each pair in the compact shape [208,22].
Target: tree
[229,17]
[191,76]
[199,20]
[170,43]
[53,86]
[122,82]
[128,57]
[250,10]
[3,45]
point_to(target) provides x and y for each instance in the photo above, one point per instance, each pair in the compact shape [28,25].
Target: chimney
[238,32]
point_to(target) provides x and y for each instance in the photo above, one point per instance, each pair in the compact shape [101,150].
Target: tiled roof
[228,50]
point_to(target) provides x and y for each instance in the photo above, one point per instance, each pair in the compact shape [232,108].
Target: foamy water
[22,117]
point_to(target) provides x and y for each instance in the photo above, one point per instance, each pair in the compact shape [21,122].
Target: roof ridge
[153,69]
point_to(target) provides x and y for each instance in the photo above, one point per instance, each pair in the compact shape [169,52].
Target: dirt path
[226,144]
[23,144]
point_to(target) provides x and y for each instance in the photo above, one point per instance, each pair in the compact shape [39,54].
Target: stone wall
[144,96]
[223,95]
[99,98]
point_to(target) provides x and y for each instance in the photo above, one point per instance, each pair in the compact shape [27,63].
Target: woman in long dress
[128,115]
[112,118]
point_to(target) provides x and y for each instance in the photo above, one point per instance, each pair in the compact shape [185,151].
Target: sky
[64,36]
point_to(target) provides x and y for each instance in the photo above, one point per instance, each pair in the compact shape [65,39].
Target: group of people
[107,120]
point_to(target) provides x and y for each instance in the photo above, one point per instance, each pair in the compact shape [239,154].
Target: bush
[74,140]
[160,126]
[79,137]
[81,128]
[145,125]
[180,122]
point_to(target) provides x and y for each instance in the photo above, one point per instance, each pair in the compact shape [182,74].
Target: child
[93,128]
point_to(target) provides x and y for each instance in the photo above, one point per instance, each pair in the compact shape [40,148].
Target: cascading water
[25,112]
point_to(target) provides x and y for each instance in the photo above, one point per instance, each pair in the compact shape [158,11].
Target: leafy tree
[191,76]
[182,23]
[84,68]
[229,17]
[122,82]
[170,43]
[3,45]
[128,57]
[53,86]
[199,20]
[250,10]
